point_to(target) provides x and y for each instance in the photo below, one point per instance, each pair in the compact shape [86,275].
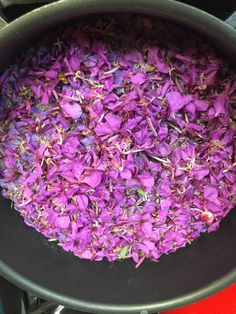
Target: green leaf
[141,192]
[123,252]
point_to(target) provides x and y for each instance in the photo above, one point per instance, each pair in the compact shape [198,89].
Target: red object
[223,302]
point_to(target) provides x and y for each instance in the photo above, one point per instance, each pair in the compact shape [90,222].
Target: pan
[31,262]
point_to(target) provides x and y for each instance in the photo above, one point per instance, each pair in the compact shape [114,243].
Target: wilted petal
[200,105]
[52,74]
[93,179]
[200,173]
[103,129]
[176,101]
[147,180]
[72,110]
[126,174]
[138,79]
[210,193]
[86,254]
[82,201]
[165,204]
[113,120]
[63,221]
[77,170]
[9,161]
[220,105]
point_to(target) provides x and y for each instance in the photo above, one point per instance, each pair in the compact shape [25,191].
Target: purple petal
[176,101]
[93,179]
[220,105]
[210,193]
[63,222]
[147,180]
[72,110]
[162,66]
[103,129]
[9,161]
[200,105]
[200,173]
[82,201]
[126,174]
[52,74]
[114,121]
[165,204]
[138,78]
[77,170]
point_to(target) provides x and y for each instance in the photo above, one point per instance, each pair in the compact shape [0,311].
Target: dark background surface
[10,296]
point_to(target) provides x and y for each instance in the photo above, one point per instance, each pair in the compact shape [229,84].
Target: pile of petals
[117,140]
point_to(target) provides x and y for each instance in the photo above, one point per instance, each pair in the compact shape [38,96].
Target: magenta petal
[52,74]
[103,129]
[45,98]
[200,173]
[176,101]
[162,66]
[165,204]
[63,221]
[138,79]
[41,150]
[86,254]
[163,213]
[210,193]
[113,120]
[82,201]
[147,227]
[149,244]
[190,108]
[9,161]
[220,105]
[93,179]
[36,90]
[147,180]
[200,105]
[77,170]
[72,110]
[126,174]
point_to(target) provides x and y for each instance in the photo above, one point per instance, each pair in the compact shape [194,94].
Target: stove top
[16,301]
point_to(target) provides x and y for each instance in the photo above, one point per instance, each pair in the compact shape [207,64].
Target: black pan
[31,262]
